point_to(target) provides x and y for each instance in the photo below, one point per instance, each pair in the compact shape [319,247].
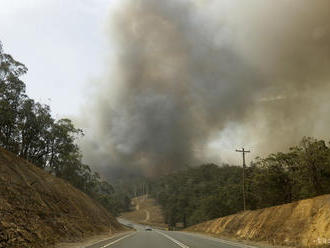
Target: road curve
[147,215]
[163,239]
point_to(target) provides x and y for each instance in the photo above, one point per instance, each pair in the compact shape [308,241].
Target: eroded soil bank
[39,210]
[301,224]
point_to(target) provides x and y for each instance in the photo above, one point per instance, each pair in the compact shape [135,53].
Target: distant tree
[198,194]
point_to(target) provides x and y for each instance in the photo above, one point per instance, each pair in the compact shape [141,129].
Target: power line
[243,151]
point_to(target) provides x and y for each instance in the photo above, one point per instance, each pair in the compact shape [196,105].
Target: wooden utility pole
[243,151]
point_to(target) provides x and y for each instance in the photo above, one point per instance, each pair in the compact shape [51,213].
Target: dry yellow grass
[303,223]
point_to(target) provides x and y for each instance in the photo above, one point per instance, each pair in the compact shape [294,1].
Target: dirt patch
[304,223]
[38,209]
[147,216]
[146,211]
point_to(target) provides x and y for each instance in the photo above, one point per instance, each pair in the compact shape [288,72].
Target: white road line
[219,240]
[173,240]
[234,244]
[117,240]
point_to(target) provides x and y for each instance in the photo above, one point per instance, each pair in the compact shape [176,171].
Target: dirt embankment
[304,223]
[38,209]
[145,211]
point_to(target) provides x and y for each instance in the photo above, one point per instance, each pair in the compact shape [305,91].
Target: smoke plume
[188,77]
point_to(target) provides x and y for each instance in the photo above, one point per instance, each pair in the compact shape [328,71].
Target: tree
[12,94]
[64,152]
[270,183]
[35,124]
[314,160]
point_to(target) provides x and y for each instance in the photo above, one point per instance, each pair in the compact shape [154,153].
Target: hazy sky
[73,46]
[65,46]
[61,42]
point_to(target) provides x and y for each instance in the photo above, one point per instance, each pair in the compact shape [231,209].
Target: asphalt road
[163,239]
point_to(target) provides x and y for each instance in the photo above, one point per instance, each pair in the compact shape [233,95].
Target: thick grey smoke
[185,72]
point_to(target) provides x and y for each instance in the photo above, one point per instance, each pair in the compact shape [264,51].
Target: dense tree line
[198,194]
[210,191]
[28,130]
[281,178]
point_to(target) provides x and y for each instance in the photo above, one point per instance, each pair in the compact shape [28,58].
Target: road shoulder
[93,240]
[260,244]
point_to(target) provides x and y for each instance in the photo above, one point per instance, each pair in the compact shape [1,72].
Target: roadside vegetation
[198,194]
[28,130]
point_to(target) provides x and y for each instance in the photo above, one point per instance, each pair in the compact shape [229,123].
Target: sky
[62,43]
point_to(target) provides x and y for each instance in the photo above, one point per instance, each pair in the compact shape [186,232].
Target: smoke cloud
[188,78]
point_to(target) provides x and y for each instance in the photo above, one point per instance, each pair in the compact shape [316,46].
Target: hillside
[38,209]
[145,211]
[302,223]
